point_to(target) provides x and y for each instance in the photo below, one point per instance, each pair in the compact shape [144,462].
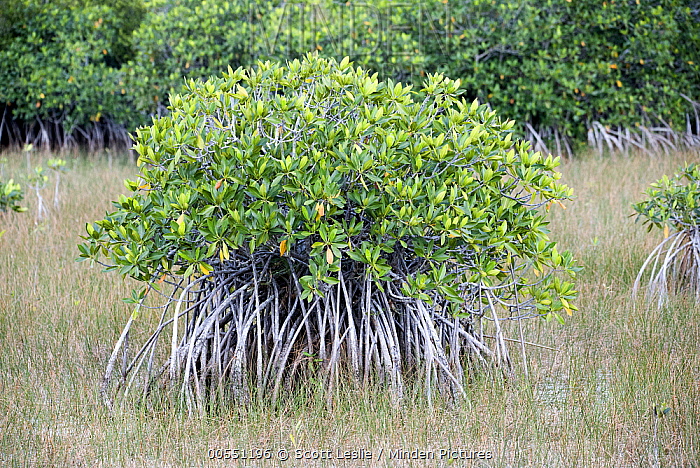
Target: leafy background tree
[614,74]
[61,78]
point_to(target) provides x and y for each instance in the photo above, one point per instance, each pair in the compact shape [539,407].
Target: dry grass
[588,404]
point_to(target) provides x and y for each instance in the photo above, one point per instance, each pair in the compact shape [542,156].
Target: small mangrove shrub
[37,181]
[673,205]
[312,213]
[58,167]
[11,195]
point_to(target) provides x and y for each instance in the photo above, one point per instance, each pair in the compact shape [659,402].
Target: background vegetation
[589,403]
[617,74]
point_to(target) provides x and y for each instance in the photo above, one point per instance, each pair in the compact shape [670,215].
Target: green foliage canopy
[324,164]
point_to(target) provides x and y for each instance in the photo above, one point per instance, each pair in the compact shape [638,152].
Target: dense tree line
[617,74]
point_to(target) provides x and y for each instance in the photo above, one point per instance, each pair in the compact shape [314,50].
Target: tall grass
[589,403]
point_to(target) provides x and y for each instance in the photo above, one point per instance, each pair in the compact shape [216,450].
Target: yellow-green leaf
[283,247]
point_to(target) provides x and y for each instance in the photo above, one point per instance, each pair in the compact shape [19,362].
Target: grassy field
[589,403]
